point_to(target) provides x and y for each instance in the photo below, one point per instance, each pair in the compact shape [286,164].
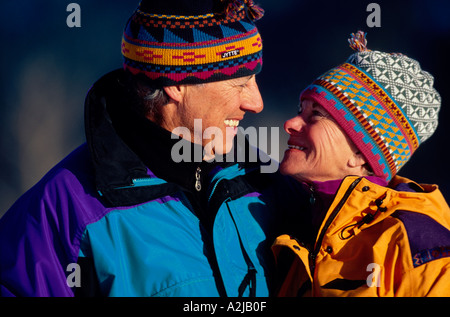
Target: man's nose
[252,101]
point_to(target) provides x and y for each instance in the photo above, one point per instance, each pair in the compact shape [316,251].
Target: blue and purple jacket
[101,218]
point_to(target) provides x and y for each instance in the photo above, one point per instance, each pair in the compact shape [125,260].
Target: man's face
[220,106]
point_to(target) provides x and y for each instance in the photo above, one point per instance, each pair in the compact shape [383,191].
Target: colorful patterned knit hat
[190,42]
[384,102]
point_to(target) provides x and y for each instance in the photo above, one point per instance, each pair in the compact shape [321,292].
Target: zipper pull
[198,184]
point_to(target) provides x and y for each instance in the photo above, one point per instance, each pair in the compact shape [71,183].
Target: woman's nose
[294,125]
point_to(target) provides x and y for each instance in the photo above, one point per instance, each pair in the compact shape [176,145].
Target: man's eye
[241,86]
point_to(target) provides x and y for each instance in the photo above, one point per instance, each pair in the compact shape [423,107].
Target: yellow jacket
[374,241]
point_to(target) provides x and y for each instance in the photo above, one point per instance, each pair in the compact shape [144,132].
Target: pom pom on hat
[254,11]
[358,41]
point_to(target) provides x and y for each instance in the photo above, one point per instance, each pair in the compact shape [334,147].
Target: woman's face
[318,149]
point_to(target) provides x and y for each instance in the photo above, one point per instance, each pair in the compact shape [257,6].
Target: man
[136,211]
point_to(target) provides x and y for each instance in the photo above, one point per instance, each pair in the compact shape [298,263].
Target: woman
[371,232]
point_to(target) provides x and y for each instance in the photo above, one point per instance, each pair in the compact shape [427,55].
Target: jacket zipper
[198,184]
[150,181]
[330,219]
[140,182]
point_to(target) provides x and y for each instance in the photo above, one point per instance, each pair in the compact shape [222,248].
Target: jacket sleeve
[40,234]
[34,248]
[429,256]
[429,280]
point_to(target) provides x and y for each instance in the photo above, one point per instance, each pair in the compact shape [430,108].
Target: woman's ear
[357,160]
[175,92]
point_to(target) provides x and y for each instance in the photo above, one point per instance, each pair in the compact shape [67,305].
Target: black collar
[154,145]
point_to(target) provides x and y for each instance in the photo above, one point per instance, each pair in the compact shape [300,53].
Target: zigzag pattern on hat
[199,38]
[377,119]
[385,105]
[347,116]
[161,34]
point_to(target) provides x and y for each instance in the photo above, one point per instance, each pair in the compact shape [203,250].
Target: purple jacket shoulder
[42,231]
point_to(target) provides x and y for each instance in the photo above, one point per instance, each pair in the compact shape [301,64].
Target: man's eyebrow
[244,79]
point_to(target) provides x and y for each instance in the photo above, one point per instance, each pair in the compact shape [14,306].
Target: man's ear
[175,92]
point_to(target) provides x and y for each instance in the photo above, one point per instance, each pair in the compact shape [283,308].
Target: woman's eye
[300,109]
[317,114]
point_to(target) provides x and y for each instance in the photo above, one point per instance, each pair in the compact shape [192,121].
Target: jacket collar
[114,163]
[355,208]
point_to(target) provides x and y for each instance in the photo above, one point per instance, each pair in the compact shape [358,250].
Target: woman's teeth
[232,123]
[301,148]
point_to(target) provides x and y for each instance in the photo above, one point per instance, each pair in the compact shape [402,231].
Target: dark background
[47,68]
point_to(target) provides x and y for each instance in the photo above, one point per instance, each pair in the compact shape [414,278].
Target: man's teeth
[301,148]
[232,123]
